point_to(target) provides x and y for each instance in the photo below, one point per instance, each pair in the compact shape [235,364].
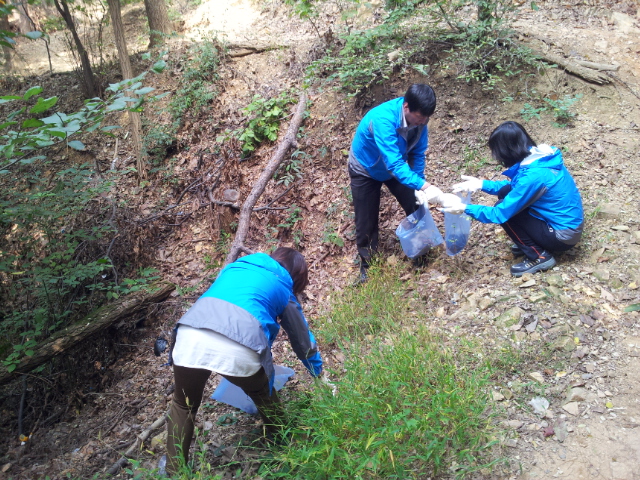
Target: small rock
[548,431]
[621,228]
[528,284]
[392,260]
[508,394]
[572,408]
[554,291]
[512,443]
[497,396]
[440,312]
[531,327]
[485,302]
[515,424]
[537,297]
[537,376]
[564,343]
[587,320]
[608,210]
[602,275]
[590,367]
[555,280]
[509,317]
[561,429]
[636,236]
[6,467]
[577,395]
[158,440]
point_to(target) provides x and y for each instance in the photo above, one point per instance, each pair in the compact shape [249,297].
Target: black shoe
[362,278]
[516,251]
[544,262]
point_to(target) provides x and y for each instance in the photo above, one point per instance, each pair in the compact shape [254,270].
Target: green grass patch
[411,404]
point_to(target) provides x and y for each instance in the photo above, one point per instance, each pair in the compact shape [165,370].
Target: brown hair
[294,263]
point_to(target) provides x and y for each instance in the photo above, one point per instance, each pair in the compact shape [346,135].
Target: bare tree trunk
[6,51]
[158,21]
[247,208]
[127,72]
[89,81]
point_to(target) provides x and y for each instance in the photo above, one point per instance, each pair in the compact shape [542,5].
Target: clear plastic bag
[418,233]
[456,229]
[231,395]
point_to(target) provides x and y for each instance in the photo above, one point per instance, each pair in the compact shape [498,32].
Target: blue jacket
[542,184]
[243,305]
[380,146]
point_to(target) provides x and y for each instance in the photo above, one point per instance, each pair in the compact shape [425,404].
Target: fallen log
[247,207]
[139,440]
[93,323]
[571,67]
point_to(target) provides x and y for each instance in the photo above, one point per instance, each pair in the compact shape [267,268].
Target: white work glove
[471,184]
[432,194]
[421,198]
[324,380]
[452,204]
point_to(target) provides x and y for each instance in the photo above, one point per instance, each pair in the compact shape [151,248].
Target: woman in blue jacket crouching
[539,207]
[230,330]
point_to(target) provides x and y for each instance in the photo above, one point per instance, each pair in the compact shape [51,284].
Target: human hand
[432,194]
[471,184]
[421,198]
[324,381]
[452,204]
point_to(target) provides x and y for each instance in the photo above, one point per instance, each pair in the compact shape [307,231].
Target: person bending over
[389,148]
[230,330]
[539,207]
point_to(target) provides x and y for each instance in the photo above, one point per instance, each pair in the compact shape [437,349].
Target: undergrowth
[411,404]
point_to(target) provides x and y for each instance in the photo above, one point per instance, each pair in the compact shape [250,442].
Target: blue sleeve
[386,138]
[492,187]
[522,194]
[302,340]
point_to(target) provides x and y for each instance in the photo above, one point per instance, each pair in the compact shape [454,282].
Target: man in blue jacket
[389,148]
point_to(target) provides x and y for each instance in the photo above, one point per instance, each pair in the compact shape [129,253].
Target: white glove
[471,184]
[452,204]
[421,198]
[432,194]
[324,380]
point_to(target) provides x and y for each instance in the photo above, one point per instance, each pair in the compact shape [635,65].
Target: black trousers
[366,203]
[531,234]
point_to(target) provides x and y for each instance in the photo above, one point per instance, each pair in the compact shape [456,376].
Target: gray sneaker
[544,262]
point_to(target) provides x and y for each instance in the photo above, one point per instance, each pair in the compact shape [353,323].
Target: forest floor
[591,428]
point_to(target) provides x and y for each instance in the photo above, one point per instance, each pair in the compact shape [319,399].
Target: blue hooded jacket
[243,305]
[542,184]
[380,146]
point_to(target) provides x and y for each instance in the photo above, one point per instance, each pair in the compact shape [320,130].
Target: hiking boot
[544,262]
[516,251]
[362,278]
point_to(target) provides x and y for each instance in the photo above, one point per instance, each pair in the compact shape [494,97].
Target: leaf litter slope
[584,338]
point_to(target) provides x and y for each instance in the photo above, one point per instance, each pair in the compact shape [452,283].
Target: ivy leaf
[159,66]
[144,91]
[32,122]
[77,145]
[43,105]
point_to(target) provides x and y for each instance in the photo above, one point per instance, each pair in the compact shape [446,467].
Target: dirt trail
[582,300]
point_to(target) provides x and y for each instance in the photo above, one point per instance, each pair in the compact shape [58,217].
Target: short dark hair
[420,97]
[294,263]
[510,143]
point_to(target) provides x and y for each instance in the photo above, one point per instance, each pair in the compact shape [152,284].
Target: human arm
[301,338]
[473,184]
[386,139]
[522,195]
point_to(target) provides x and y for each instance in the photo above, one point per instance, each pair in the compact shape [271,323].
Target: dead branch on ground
[275,161]
[93,323]
[140,439]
